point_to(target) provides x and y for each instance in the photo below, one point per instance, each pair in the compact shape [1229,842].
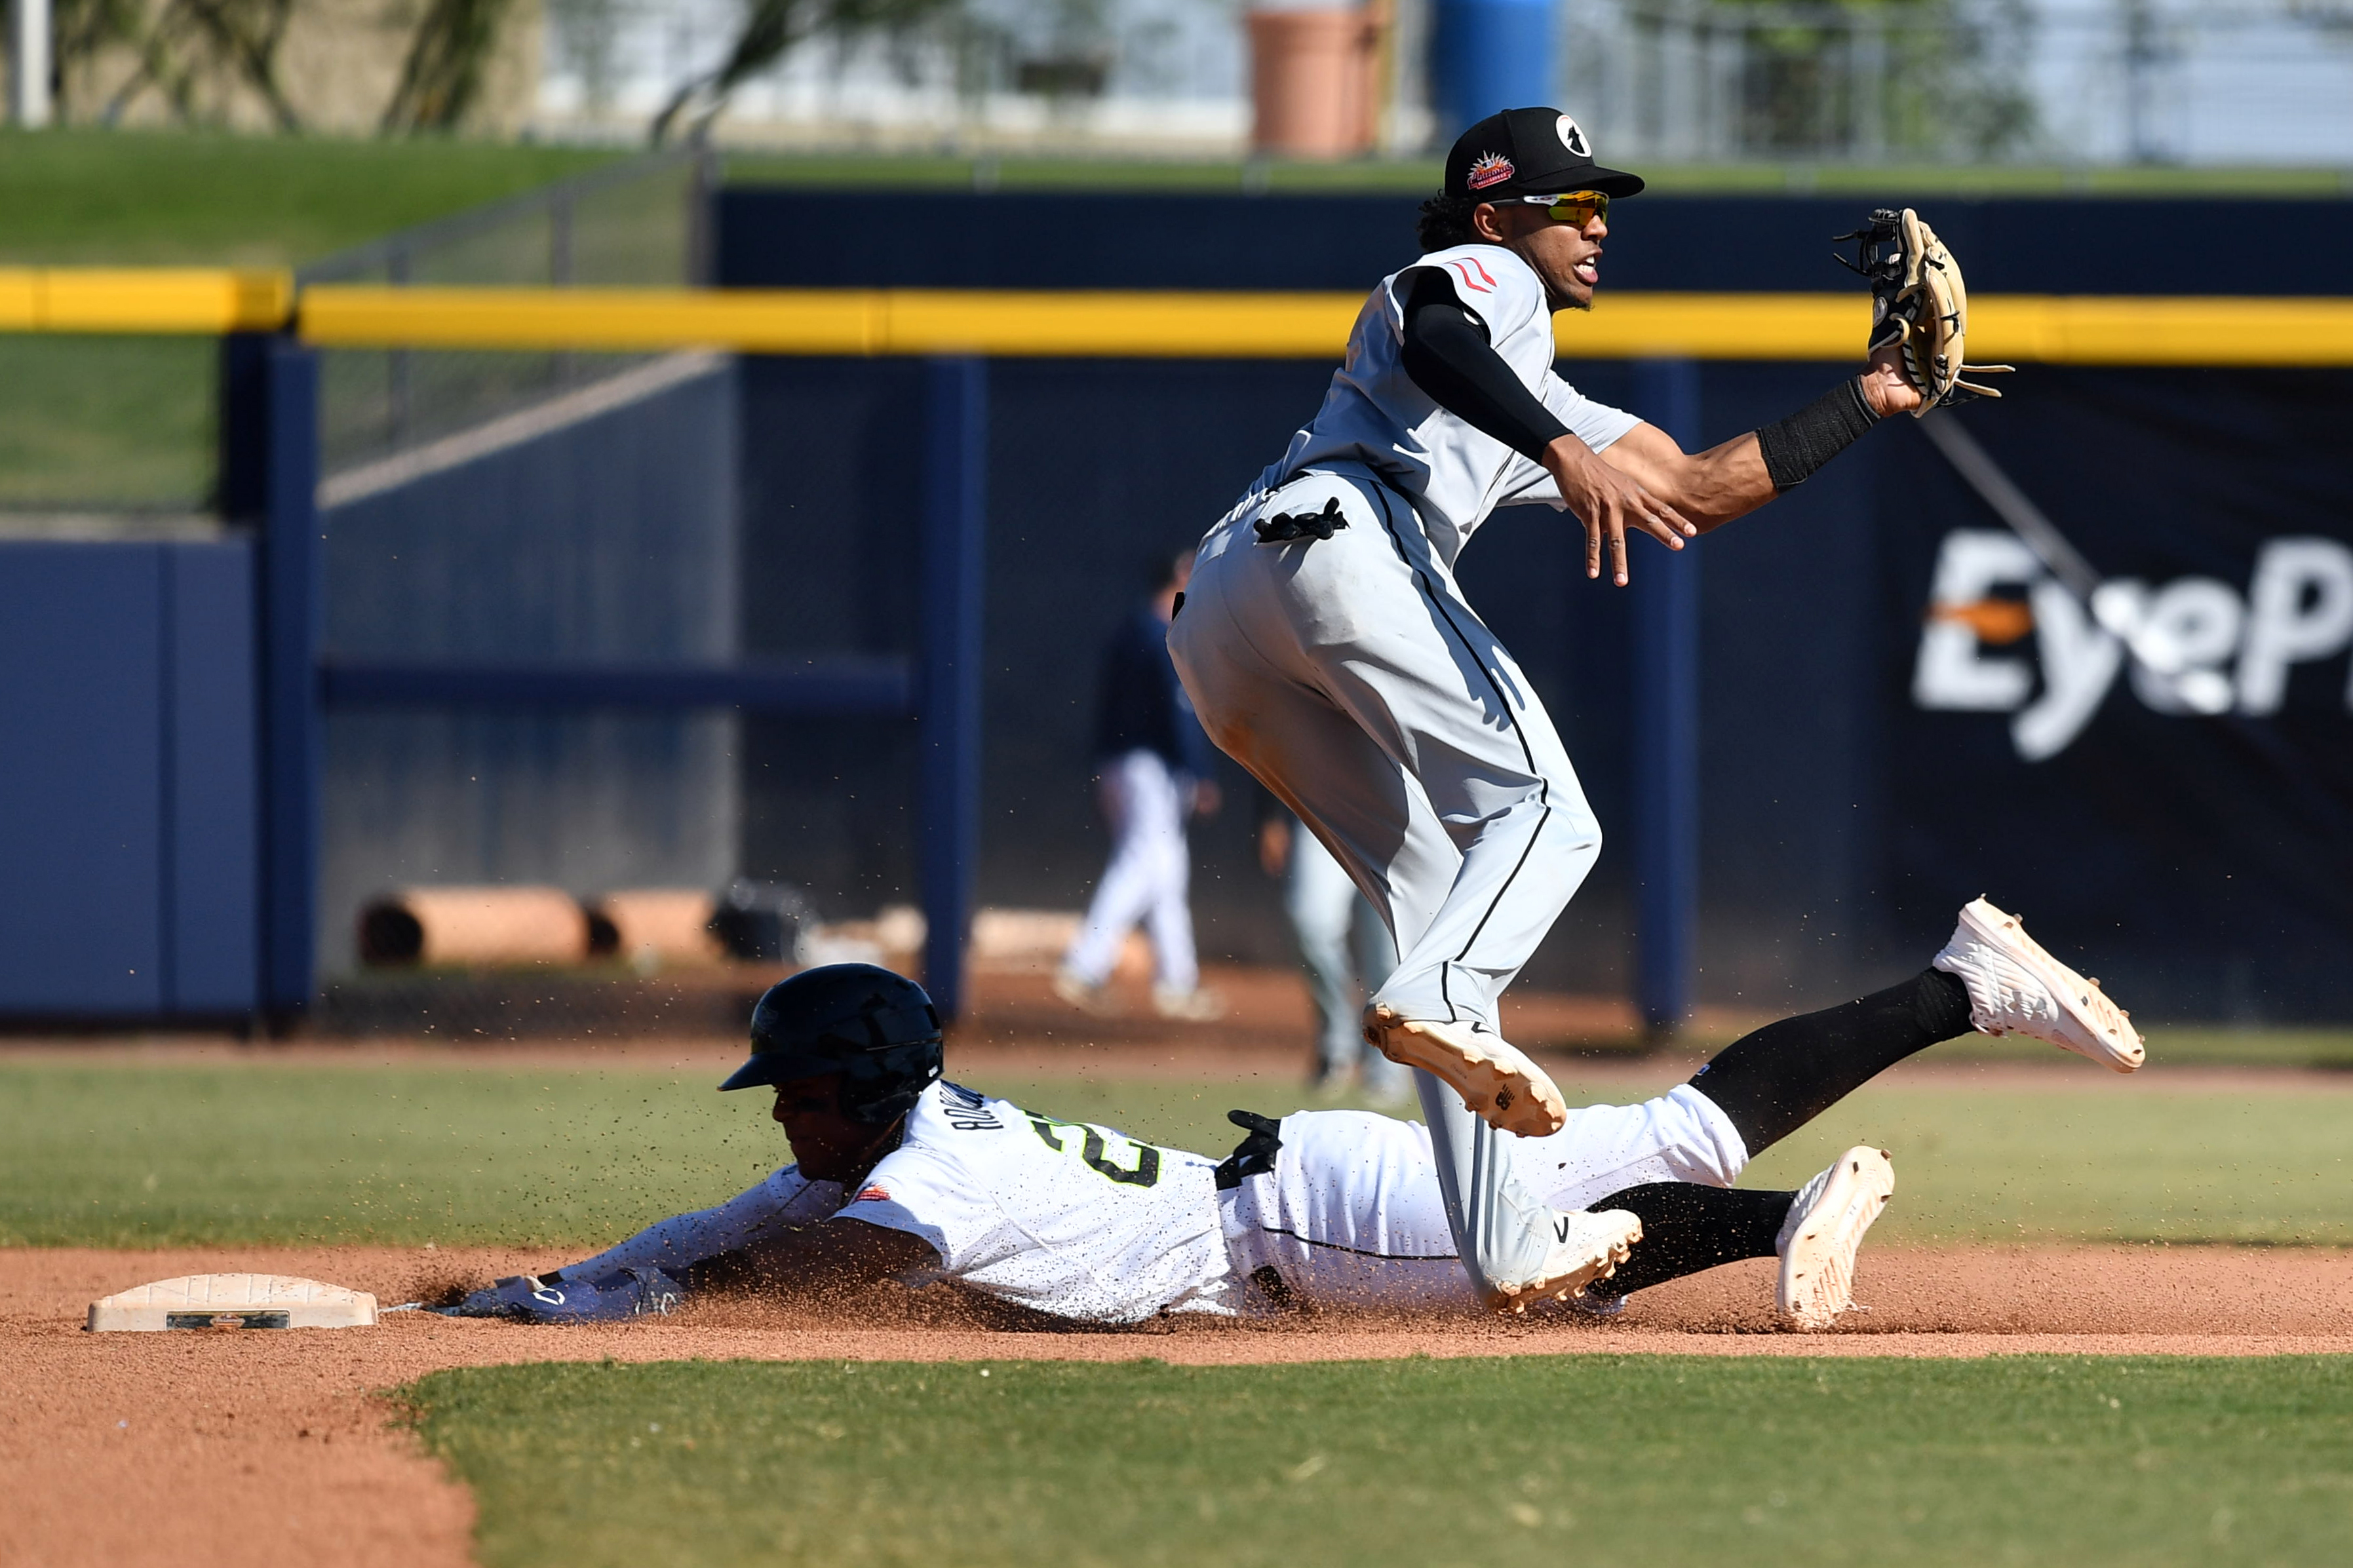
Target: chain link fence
[640,224]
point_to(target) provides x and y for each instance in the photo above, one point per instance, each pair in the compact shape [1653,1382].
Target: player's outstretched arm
[1712,488]
[832,1261]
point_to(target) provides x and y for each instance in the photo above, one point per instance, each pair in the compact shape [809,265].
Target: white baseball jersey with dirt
[1067,1218]
[1077,1220]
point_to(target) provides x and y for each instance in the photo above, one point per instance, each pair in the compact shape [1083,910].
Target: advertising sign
[2137,721]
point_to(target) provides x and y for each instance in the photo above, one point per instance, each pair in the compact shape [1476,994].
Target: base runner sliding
[899,1175]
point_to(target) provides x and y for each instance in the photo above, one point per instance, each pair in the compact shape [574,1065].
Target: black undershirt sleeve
[1447,354]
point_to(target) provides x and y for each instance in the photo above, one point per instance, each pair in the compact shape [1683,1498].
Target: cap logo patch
[872,1195]
[1573,138]
[1490,169]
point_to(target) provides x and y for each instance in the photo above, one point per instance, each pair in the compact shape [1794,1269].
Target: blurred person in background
[1346,950]
[1154,769]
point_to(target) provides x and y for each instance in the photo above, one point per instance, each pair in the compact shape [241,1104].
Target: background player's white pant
[1341,940]
[1352,1214]
[1350,677]
[1148,876]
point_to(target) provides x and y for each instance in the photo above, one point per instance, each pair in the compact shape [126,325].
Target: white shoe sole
[1086,998]
[2113,1043]
[1572,1271]
[1189,1006]
[1495,1078]
[1818,1268]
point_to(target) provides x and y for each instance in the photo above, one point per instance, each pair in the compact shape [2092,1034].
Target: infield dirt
[239,1445]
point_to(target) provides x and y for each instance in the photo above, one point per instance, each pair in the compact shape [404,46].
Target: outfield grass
[113,422]
[1658,1460]
[106,422]
[142,1155]
[129,198]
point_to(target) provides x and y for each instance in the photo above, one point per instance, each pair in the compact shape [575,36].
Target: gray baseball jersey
[1452,474]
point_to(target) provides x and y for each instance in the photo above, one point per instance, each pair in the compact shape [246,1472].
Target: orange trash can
[1315,80]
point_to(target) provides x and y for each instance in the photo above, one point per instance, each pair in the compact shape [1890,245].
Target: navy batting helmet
[877,1029]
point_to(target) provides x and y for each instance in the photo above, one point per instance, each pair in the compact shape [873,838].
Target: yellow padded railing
[142,299]
[2026,328]
[2046,328]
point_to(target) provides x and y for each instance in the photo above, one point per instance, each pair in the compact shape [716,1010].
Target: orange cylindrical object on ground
[475,925]
[672,924]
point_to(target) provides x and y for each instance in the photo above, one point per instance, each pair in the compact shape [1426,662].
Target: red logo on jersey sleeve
[872,1195]
[1489,169]
[1474,276]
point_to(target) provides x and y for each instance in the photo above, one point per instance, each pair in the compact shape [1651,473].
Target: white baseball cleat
[1197,1005]
[1585,1247]
[1818,1240]
[2017,988]
[1494,1077]
[1086,995]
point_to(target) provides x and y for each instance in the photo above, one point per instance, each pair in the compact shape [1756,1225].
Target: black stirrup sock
[1686,1228]
[1776,1081]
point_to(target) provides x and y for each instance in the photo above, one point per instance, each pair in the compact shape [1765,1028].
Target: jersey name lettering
[966,1111]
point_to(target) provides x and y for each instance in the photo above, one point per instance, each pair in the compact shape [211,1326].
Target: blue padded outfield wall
[128,813]
[1898,707]
[608,536]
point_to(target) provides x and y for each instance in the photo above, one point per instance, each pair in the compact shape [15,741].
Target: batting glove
[552,1299]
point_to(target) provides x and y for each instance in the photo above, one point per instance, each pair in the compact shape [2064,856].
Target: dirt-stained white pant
[1350,677]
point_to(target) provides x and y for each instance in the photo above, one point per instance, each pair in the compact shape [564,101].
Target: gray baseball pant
[1350,677]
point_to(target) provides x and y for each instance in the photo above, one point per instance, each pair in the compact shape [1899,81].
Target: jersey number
[1092,1149]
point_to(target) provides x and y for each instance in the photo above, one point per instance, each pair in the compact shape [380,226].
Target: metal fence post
[285,410]
[31,54]
[956,476]
[1666,733]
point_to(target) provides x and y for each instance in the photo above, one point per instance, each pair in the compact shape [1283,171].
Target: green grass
[127,198]
[106,422]
[154,1156]
[114,422]
[129,1155]
[1658,1460]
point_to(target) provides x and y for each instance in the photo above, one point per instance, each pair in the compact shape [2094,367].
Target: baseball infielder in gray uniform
[1329,650]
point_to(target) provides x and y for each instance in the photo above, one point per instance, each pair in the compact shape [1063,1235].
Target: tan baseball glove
[1918,300]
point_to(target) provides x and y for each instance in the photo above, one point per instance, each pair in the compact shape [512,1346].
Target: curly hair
[1445,223]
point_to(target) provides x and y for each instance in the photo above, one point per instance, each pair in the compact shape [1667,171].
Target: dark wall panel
[611,535]
[127,804]
[778,238]
[214,819]
[81,795]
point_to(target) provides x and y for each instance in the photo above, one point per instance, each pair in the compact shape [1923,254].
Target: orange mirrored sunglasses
[1579,207]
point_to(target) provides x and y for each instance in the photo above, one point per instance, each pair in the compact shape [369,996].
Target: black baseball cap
[1529,153]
